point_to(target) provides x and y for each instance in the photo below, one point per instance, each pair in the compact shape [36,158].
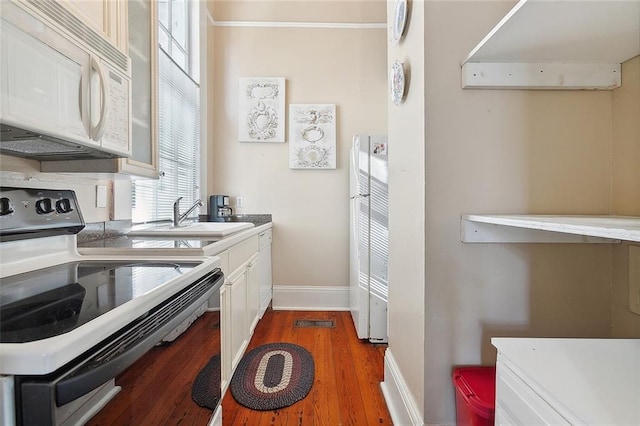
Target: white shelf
[549,229]
[557,44]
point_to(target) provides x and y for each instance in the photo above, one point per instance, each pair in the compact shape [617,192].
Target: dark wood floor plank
[350,402]
[304,413]
[346,389]
[368,383]
[153,376]
[325,396]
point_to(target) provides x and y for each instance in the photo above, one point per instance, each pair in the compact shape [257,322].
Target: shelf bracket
[556,76]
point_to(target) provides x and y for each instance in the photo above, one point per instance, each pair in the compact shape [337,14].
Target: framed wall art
[261,109]
[312,136]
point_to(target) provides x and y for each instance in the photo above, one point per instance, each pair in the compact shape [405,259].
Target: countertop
[165,245]
[256,219]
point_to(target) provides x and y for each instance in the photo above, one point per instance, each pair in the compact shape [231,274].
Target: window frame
[196,18]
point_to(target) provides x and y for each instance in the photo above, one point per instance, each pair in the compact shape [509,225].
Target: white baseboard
[310,298]
[400,402]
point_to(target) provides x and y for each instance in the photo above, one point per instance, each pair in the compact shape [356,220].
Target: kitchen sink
[195,229]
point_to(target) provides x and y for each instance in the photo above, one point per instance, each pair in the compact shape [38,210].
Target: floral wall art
[261,110]
[312,136]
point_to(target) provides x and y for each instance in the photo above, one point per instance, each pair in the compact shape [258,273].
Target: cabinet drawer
[517,403]
[241,252]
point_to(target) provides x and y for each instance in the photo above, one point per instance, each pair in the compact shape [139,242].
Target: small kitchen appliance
[219,209]
[66,94]
[71,323]
[369,237]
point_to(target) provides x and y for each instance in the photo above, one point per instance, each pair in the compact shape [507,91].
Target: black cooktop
[52,301]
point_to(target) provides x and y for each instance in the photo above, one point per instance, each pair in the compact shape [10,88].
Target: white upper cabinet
[109,17]
[557,44]
[142,48]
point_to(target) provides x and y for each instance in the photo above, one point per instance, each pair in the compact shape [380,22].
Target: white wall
[22,173]
[626,190]
[505,151]
[512,152]
[407,210]
[342,66]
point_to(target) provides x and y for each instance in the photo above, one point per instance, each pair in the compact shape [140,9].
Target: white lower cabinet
[567,381]
[253,293]
[224,339]
[238,325]
[517,403]
[216,419]
[264,271]
[239,303]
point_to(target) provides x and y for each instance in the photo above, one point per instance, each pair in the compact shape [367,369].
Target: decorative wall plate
[261,109]
[399,21]
[312,136]
[396,82]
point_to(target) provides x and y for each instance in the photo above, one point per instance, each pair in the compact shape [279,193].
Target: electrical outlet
[634,279]
[101,196]
[240,202]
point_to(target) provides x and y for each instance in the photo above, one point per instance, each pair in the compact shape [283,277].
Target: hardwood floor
[348,372]
[156,390]
[346,389]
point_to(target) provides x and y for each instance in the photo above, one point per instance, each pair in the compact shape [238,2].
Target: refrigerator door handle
[360,196]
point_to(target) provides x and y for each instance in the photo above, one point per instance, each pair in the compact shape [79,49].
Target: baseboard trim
[400,402]
[310,298]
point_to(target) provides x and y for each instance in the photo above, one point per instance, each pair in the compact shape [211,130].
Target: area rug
[205,390]
[273,376]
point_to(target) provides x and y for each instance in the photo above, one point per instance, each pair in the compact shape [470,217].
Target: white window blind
[179,146]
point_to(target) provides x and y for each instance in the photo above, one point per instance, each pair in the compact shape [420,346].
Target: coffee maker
[219,210]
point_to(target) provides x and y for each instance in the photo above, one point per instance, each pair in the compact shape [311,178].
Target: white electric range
[70,322]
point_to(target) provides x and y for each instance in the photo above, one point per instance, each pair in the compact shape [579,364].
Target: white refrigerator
[369,237]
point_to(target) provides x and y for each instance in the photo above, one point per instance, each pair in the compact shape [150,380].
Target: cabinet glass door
[143,53]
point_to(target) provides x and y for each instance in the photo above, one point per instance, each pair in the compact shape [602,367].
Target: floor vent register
[311,323]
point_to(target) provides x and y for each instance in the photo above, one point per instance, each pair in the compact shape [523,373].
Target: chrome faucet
[177,217]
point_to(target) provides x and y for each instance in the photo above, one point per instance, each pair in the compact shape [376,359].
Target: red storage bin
[475,395]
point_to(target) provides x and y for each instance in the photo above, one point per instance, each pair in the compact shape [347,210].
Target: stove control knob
[44,206]
[6,207]
[64,206]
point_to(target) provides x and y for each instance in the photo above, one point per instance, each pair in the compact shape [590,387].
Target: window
[179,116]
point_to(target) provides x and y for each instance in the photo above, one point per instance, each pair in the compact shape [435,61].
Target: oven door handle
[118,356]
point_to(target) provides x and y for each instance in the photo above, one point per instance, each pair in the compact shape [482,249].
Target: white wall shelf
[557,44]
[548,229]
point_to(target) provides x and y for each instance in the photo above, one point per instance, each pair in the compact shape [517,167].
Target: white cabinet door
[253,293]
[143,49]
[517,403]
[264,271]
[238,325]
[108,17]
[225,341]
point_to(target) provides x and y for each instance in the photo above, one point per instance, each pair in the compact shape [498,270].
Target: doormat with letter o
[273,376]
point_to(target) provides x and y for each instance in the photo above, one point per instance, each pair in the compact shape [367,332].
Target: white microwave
[64,89]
